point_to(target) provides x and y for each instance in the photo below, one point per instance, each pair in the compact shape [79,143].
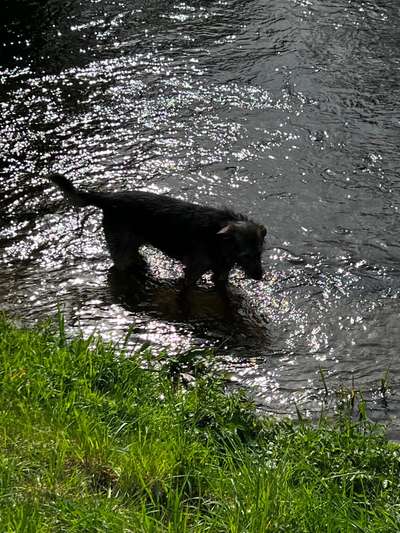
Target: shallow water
[285,110]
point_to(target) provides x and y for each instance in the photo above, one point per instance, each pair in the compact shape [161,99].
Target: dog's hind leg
[122,244]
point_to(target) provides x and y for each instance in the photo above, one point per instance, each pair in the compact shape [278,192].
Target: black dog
[202,238]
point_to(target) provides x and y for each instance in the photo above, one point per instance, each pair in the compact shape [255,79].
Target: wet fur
[202,238]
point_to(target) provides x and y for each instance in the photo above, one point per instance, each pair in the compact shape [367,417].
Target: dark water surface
[284,109]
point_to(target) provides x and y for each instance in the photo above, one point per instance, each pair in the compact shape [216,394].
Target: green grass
[91,441]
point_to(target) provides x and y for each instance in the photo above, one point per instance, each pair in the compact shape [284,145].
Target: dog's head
[247,240]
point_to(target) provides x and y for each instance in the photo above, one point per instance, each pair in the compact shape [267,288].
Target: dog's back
[174,226]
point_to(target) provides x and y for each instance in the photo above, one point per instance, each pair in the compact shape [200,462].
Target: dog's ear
[226,231]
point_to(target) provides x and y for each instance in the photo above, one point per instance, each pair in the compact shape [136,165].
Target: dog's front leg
[220,278]
[195,266]
[192,274]
[194,269]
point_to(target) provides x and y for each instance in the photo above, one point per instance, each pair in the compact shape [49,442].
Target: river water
[287,110]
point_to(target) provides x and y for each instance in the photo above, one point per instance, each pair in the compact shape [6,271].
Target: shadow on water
[229,321]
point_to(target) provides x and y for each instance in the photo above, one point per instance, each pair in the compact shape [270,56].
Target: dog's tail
[78,198]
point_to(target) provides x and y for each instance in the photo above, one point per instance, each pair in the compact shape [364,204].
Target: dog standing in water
[202,238]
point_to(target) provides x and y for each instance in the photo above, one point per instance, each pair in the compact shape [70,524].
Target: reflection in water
[286,111]
[224,321]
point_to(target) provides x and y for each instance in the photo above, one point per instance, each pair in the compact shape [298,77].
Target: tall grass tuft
[93,439]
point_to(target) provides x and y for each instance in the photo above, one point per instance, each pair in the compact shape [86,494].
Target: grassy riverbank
[90,441]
